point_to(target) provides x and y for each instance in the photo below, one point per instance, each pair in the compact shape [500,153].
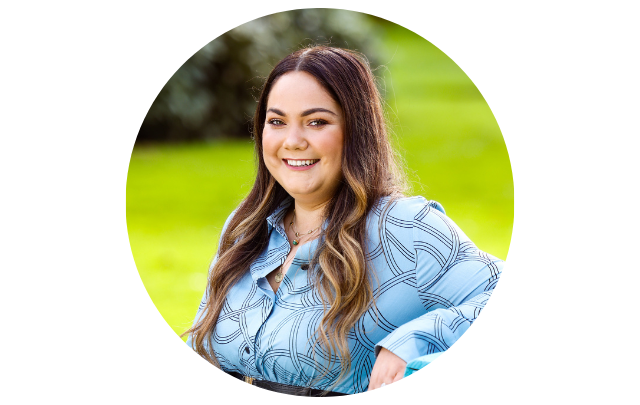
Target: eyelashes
[318,123]
[276,122]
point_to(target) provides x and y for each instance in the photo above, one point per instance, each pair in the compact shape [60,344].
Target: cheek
[332,148]
[334,145]
[269,146]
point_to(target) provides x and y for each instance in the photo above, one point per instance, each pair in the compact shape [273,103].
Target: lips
[301,162]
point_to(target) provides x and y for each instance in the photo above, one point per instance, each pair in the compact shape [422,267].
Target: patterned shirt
[430,284]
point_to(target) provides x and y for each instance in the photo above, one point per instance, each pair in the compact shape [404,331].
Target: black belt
[285,389]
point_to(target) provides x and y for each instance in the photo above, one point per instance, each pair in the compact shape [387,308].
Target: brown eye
[317,123]
[275,121]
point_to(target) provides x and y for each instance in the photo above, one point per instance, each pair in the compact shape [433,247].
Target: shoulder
[228,220]
[412,220]
[405,208]
[225,227]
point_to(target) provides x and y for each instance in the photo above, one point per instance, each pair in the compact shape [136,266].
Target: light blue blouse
[432,282]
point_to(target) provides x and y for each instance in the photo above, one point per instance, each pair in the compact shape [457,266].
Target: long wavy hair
[370,171]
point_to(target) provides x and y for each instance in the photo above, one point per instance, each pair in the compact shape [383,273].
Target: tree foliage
[213,94]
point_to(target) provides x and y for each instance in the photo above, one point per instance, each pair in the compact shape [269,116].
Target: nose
[295,139]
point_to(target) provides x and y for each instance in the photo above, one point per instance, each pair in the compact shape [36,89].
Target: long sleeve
[454,281]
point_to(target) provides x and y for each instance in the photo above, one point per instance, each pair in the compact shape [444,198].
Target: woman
[327,279]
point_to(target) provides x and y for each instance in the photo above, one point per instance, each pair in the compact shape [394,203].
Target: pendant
[295,242]
[279,277]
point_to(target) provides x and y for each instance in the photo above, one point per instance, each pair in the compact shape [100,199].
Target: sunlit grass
[452,145]
[178,196]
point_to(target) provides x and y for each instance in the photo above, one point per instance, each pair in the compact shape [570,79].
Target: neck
[309,216]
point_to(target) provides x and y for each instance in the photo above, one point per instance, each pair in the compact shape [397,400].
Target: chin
[299,193]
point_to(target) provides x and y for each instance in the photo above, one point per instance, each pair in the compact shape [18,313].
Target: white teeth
[300,162]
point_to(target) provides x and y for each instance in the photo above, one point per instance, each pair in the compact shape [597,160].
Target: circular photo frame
[193,162]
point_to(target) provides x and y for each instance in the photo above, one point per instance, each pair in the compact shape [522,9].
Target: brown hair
[370,172]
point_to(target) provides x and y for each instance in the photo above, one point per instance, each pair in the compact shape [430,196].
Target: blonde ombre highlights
[370,172]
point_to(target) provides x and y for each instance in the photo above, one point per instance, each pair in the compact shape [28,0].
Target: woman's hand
[388,369]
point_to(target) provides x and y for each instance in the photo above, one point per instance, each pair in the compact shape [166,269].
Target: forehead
[299,90]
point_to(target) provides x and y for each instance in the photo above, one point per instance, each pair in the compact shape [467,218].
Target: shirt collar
[278,247]
[278,214]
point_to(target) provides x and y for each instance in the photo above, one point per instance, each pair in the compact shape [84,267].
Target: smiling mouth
[301,163]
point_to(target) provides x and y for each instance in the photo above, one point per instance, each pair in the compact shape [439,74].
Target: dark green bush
[213,94]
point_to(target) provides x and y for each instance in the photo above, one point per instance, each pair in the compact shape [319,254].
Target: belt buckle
[248,380]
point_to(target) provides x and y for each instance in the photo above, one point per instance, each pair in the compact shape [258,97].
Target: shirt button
[304,267]
[246,349]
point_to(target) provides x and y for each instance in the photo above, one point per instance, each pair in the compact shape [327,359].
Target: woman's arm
[454,280]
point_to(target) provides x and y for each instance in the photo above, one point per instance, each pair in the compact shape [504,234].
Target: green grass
[451,142]
[178,196]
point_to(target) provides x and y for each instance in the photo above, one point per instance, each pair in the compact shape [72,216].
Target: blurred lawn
[178,196]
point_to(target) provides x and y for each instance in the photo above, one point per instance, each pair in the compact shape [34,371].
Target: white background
[77,80]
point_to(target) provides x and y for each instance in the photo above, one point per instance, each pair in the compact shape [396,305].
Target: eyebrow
[304,113]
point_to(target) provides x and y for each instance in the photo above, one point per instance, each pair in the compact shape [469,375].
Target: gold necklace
[279,276]
[292,226]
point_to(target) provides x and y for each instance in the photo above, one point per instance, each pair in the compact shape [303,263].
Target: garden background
[193,159]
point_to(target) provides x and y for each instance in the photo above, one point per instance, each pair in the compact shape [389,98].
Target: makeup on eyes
[316,122]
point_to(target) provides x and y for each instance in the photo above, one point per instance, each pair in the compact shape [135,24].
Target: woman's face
[303,136]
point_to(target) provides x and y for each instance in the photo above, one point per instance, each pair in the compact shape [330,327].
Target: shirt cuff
[434,331]
[421,337]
